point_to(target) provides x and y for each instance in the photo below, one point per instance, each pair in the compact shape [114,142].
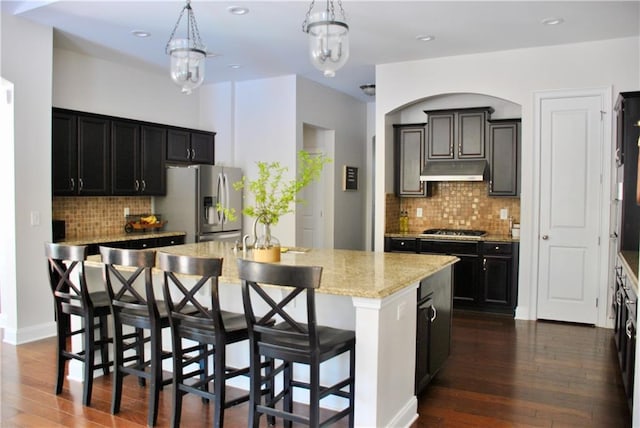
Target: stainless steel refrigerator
[193,193]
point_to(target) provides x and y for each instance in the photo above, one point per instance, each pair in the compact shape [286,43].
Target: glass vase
[267,246]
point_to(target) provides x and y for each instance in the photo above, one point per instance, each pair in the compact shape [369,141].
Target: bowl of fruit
[143,222]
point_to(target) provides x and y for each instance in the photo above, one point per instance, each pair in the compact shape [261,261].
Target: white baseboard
[522,313]
[29,334]
[407,415]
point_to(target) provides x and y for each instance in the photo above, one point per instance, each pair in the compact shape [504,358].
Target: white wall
[217,113]
[329,109]
[86,83]
[369,216]
[511,75]
[265,130]
[27,64]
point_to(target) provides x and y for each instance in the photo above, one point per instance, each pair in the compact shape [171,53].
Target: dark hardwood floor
[502,373]
[505,373]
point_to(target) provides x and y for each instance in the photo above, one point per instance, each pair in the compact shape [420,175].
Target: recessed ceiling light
[140,33]
[238,10]
[234,66]
[212,54]
[425,38]
[552,21]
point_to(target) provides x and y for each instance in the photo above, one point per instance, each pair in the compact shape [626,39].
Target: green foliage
[272,193]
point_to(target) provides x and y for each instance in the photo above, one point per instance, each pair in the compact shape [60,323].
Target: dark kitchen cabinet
[192,147]
[64,153]
[139,244]
[504,155]
[628,114]
[393,245]
[101,155]
[499,285]
[457,134]
[433,327]
[625,302]
[80,154]
[465,280]
[93,155]
[138,166]
[409,154]
[486,276]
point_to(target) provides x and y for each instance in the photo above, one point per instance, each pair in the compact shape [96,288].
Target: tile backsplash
[454,205]
[96,216]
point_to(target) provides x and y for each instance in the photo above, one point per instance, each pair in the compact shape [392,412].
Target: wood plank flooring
[502,373]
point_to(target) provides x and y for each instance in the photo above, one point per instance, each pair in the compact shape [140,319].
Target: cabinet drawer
[403,244]
[490,248]
[448,247]
[170,240]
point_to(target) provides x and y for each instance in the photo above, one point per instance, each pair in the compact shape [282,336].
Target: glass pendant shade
[187,64]
[328,43]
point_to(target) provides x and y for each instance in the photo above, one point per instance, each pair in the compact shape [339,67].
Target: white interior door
[312,216]
[571,138]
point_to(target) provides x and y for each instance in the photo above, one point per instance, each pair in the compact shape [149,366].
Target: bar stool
[135,306]
[292,342]
[65,264]
[207,325]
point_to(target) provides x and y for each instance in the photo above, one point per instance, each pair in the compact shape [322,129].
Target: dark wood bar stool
[292,342]
[128,280]
[65,264]
[207,325]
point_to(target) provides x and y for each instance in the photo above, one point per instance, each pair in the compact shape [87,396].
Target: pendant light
[187,55]
[328,38]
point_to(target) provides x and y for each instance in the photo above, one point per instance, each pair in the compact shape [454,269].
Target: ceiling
[268,41]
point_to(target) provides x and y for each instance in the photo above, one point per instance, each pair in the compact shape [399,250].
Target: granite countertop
[493,237]
[345,272]
[86,240]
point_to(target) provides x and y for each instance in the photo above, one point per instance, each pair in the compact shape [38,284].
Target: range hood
[454,170]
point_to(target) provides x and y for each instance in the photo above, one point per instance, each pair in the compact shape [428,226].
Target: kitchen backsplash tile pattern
[96,216]
[453,205]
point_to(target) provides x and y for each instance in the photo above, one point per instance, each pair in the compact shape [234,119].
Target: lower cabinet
[139,244]
[484,279]
[625,329]
[433,327]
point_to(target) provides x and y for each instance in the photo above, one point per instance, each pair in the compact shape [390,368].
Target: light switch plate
[35,218]
[418,212]
[504,213]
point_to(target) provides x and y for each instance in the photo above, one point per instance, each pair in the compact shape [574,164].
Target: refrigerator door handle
[227,193]
[222,197]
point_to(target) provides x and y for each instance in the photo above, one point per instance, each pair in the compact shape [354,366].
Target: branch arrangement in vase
[274,194]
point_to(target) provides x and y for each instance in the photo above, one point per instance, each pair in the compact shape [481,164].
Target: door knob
[545,237]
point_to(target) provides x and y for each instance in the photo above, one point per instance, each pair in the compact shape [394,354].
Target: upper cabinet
[193,147]
[504,146]
[138,153]
[80,154]
[409,152]
[64,153]
[457,133]
[97,155]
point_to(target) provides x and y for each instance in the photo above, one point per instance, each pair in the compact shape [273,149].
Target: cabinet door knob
[545,237]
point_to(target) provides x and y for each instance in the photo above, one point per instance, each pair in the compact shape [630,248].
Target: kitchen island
[372,293]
